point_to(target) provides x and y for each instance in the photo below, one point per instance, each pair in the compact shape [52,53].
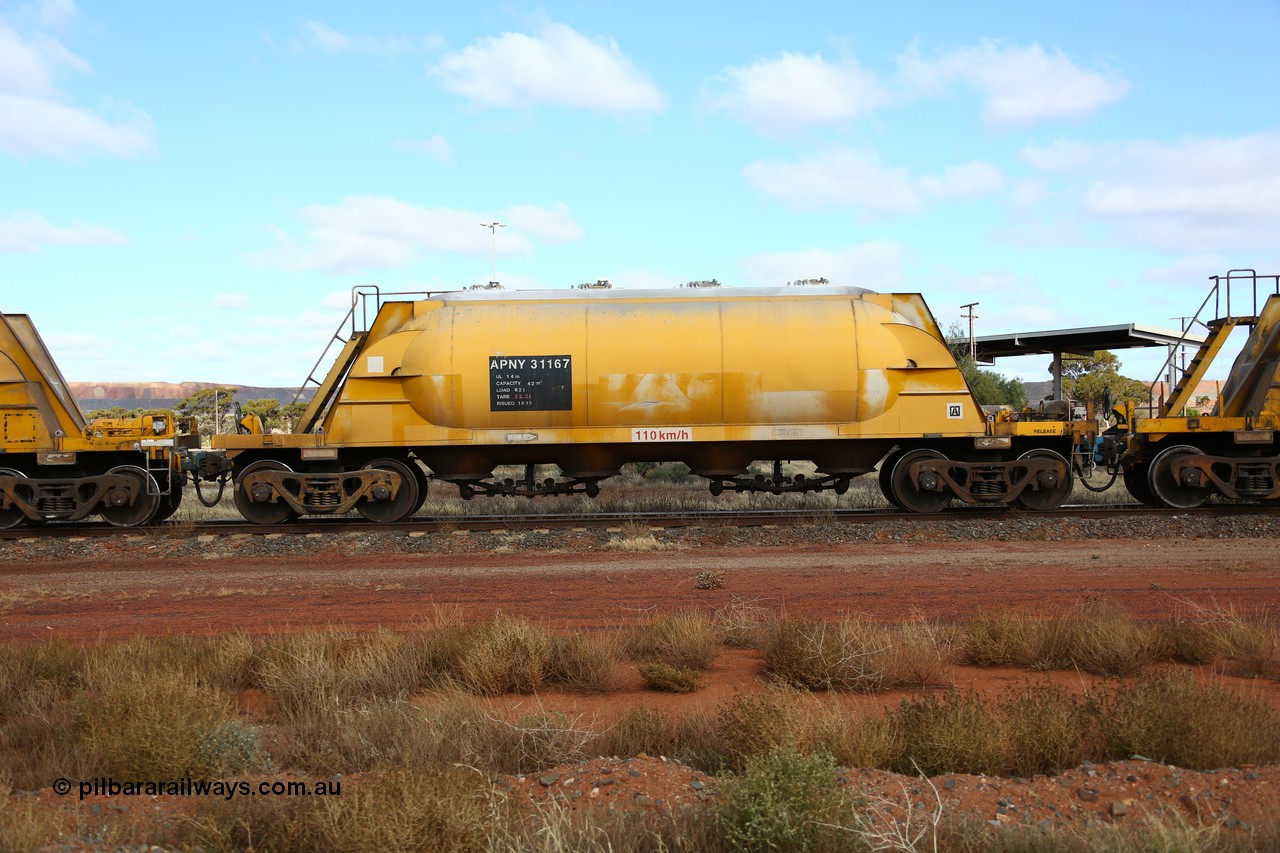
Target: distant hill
[93,396]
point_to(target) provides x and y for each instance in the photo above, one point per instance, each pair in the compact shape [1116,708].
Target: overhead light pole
[973,350]
[493,230]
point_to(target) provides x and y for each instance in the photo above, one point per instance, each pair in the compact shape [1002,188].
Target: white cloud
[316,37]
[1196,195]
[782,97]
[30,125]
[557,66]
[1021,86]
[436,147]
[548,224]
[876,265]
[375,232]
[231,301]
[34,119]
[28,232]
[860,180]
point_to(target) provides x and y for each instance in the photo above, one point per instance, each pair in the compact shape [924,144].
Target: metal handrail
[1220,296]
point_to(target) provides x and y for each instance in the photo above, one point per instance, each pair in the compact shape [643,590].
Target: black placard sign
[536,383]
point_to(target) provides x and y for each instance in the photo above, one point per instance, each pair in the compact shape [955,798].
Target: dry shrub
[743,624]
[317,670]
[1175,718]
[161,725]
[34,676]
[1207,634]
[670,679]
[822,656]
[1003,639]
[449,809]
[683,638]
[917,654]
[1095,635]
[1047,729]
[1105,640]
[24,826]
[538,739]
[639,543]
[697,742]
[640,729]
[957,733]
[752,725]
[853,738]
[227,661]
[506,655]
[784,800]
[586,663]
[709,580]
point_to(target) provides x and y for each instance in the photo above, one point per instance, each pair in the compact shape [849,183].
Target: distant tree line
[215,410]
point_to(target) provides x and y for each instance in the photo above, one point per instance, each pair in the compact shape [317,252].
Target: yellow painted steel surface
[620,366]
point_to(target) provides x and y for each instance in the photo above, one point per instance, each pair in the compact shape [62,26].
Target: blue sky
[189,192]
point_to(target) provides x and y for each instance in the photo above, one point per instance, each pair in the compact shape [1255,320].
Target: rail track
[707,518]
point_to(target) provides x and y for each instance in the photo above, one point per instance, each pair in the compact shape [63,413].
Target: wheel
[907,494]
[1135,480]
[263,510]
[169,503]
[116,508]
[1166,488]
[1053,491]
[11,516]
[886,469]
[424,482]
[390,508]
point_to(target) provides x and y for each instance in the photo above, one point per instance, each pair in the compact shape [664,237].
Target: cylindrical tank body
[657,359]
[734,365]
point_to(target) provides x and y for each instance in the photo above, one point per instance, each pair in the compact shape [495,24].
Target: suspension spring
[1253,483]
[986,488]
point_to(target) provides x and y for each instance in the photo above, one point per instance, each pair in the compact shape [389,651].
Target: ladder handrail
[1220,296]
[360,295]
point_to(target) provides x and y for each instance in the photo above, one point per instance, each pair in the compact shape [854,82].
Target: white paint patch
[374,364]
[873,394]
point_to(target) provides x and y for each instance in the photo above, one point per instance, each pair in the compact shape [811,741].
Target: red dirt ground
[116,595]
[120,595]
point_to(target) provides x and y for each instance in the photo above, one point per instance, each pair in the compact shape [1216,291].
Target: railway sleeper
[1249,478]
[327,493]
[993,482]
[65,498]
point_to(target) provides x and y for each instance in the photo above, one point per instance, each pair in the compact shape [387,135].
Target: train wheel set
[453,386]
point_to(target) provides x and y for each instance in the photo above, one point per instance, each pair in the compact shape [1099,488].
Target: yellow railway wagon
[55,464]
[465,382]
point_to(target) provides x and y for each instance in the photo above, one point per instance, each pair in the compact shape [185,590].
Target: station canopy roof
[1083,341]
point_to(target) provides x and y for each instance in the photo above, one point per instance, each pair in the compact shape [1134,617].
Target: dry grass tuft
[1175,718]
[683,638]
[709,580]
[744,624]
[449,809]
[847,655]
[670,679]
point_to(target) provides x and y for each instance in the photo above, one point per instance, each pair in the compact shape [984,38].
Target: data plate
[530,383]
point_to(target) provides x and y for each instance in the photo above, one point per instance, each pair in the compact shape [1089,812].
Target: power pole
[973,350]
[493,231]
